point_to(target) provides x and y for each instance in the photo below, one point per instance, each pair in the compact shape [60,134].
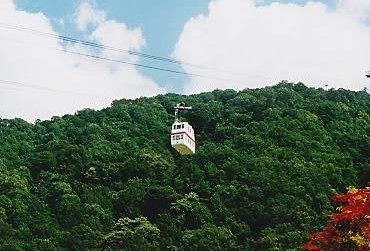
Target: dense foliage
[349,227]
[267,162]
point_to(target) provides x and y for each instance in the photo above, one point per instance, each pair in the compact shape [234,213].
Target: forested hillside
[267,161]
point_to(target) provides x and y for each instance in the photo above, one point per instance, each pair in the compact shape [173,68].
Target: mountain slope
[266,162]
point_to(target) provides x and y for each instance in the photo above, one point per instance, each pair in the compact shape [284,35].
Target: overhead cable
[130,52]
[127,62]
[13,84]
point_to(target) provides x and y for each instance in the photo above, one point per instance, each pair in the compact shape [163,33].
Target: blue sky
[161,21]
[301,2]
[237,44]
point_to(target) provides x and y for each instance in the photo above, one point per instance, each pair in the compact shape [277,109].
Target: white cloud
[87,15]
[63,82]
[118,35]
[275,42]
[357,8]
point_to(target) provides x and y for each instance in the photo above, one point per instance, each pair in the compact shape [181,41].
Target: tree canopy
[267,162]
[349,227]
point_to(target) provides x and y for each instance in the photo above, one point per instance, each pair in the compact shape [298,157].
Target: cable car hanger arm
[178,108]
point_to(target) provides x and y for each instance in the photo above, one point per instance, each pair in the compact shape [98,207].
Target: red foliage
[349,226]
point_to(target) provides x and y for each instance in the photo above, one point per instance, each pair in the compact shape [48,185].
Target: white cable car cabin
[182,138]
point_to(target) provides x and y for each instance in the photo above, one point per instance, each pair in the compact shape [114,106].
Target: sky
[212,44]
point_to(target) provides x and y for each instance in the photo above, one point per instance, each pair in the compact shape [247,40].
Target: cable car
[367,74]
[182,133]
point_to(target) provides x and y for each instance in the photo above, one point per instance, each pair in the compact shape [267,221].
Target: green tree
[209,238]
[133,234]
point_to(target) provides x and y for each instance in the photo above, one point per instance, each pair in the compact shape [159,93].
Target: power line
[130,52]
[13,84]
[108,59]
[133,64]
[83,42]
